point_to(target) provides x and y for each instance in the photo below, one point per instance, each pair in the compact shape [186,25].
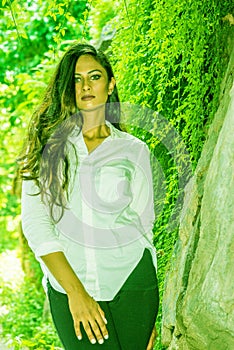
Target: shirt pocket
[113,186]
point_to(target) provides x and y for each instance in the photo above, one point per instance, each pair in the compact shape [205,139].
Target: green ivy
[171,56]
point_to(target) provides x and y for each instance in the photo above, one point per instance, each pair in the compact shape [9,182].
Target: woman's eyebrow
[91,71]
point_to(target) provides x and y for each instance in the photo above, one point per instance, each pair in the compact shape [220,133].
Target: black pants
[131,314]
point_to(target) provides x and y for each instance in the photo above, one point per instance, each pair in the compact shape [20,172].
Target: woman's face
[91,83]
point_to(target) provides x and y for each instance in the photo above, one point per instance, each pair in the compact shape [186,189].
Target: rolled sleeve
[37,225]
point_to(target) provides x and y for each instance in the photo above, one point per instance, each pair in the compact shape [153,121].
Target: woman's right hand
[86,310]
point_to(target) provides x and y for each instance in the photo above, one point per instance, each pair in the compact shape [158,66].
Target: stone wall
[198,304]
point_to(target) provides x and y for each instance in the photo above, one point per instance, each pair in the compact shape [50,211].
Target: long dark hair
[44,157]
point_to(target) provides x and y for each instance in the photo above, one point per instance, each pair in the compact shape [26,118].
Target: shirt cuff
[47,248]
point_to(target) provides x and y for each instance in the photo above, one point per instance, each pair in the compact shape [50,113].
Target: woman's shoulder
[130,137]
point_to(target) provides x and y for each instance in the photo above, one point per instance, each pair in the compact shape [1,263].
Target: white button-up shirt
[108,220]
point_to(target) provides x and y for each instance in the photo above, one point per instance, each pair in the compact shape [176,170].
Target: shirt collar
[113,130]
[76,137]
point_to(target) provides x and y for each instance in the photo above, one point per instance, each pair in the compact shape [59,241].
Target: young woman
[87,210]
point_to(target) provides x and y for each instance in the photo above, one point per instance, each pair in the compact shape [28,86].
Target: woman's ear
[111,86]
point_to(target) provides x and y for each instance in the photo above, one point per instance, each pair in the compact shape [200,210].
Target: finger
[101,322]
[150,345]
[77,330]
[100,332]
[102,314]
[152,340]
[89,332]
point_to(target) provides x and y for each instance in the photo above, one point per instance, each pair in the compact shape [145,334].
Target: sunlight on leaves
[11,272]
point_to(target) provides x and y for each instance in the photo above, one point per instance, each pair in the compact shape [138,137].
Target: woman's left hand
[152,339]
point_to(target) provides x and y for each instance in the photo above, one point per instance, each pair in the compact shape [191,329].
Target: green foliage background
[168,56]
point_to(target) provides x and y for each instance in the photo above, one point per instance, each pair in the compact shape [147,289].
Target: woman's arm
[143,204]
[40,232]
[142,191]
[38,228]
[83,307]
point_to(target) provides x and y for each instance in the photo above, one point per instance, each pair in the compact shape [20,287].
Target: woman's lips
[87,97]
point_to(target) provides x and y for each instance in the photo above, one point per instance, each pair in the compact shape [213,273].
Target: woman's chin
[91,107]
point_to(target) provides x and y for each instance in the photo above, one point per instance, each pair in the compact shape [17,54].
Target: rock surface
[198,305]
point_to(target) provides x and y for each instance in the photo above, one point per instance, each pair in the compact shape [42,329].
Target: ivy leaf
[61,10]
[62,31]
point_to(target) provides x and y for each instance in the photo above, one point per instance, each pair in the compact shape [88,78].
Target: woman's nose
[86,85]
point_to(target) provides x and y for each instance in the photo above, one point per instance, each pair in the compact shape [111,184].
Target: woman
[87,210]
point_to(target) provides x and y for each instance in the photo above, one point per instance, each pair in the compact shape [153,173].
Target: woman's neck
[94,125]
[97,132]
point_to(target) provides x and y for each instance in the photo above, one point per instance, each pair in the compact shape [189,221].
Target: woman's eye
[95,77]
[92,77]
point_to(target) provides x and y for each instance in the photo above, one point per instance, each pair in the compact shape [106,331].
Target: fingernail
[106,336]
[93,341]
[105,320]
[101,341]
[79,337]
